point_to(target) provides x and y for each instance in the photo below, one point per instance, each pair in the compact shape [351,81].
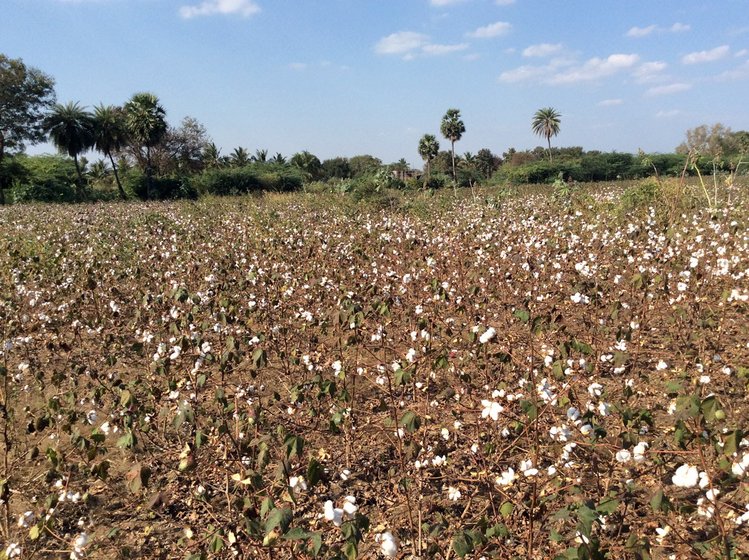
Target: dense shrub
[247,179]
[43,178]
[161,188]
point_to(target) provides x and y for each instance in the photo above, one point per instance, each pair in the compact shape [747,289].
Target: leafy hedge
[247,179]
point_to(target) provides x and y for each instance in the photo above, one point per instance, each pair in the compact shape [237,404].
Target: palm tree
[110,135]
[211,156]
[145,120]
[278,158]
[71,129]
[429,147]
[452,128]
[239,157]
[546,123]
[308,163]
[261,156]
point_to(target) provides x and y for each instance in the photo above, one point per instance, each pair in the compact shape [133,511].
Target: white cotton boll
[453,494]
[527,468]
[487,335]
[176,352]
[491,409]
[333,514]
[638,453]
[661,365]
[506,478]
[741,468]
[623,456]
[388,545]
[704,480]
[686,476]
[349,505]
[595,390]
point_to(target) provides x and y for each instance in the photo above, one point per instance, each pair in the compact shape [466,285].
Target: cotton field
[298,377]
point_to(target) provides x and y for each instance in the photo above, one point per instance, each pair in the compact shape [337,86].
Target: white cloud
[244,8]
[610,102]
[443,49]
[409,44]
[491,30]
[298,66]
[739,73]
[742,52]
[706,56]
[668,90]
[641,31]
[504,2]
[649,72]
[543,49]
[401,42]
[650,29]
[596,68]
[667,114]
[440,3]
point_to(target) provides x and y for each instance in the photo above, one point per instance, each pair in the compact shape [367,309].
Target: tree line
[144,156]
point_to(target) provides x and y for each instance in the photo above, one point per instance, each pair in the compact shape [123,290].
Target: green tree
[71,130]
[487,163]
[309,164]
[212,158]
[110,135]
[452,128]
[364,165]
[145,119]
[261,156]
[25,95]
[239,157]
[429,147]
[546,123]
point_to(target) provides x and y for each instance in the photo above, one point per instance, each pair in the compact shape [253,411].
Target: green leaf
[586,516]
[315,472]
[709,407]
[462,544]
[659,502]
[280,518]
[217,543]
[608,506]
[523,315]
[530,409]
[350,550]
[731,442]
[126,399]
[402,376]
[294,446]
[506,509]
[410,421]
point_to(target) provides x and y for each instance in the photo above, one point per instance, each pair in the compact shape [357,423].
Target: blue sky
[348,77]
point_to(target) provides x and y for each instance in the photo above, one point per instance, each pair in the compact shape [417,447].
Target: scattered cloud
[650,29]
[739,73]
[649,72]
[596,68]
[610,102]
[409,44]
[670,89]
[666,114]
[641,31]
[491,30]
[440,3]
[706,56]
[742,52]
[243,8]
[299,66]
[504,2]
[542,50]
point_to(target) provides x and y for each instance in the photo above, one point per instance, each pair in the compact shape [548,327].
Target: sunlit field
[488,375]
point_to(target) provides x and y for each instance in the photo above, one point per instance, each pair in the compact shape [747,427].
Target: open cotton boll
[388,544]
[686,476]
[349,505]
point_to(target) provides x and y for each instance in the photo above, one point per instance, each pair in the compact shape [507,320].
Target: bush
[44,179]
[162,188]
[248,179]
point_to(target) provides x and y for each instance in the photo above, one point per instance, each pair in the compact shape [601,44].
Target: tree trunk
[149,182]
[80,178]
[455,177]
[117,177]
[548,139]
[2,155]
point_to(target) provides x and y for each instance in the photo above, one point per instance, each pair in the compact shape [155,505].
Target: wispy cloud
[739,73]
[504,2]
[441,3]
[649,72]
[243,8]
[491,30]
[561,71]
[706,56]
[669,89]
[409,44]
[542,50]
[666,114]
[610,102]
[596,68]
[653,28]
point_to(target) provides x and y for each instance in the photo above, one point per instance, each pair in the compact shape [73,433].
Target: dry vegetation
[498,377]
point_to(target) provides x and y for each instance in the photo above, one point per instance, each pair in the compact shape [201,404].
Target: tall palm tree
[452,128]
[145,120]
[429,147]
[546,123]
[278,158]
[211,156]
[239,157]
[110,135]
[261,156]
[308,163]
[71,129]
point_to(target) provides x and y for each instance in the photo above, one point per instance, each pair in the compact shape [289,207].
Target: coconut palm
[71,129]
[261,156]
[239,157]
[546,123]
[145,120]
[429,147]
[452,128]
[110,135]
